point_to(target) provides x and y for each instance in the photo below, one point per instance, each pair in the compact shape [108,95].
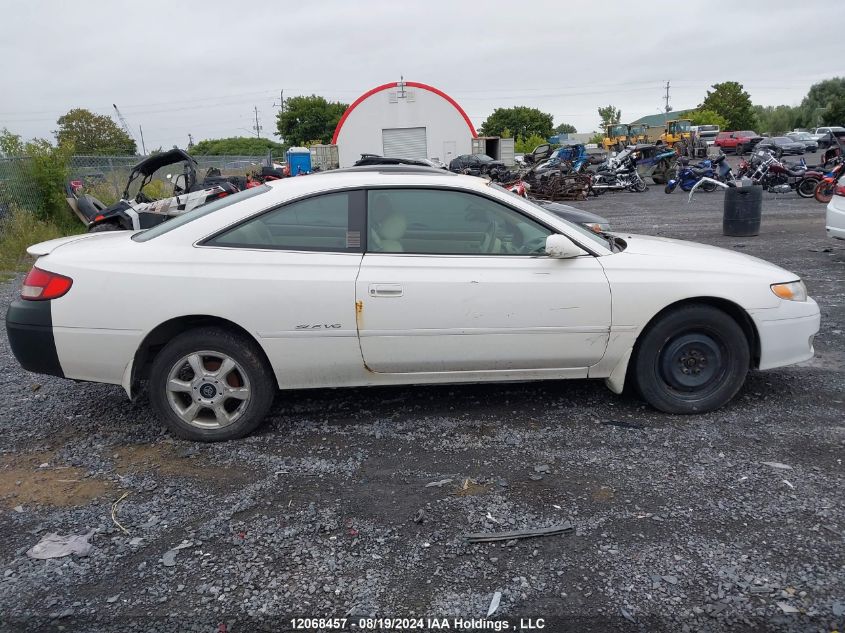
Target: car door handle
[385,290]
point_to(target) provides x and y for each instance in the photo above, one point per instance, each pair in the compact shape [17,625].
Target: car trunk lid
[45,248]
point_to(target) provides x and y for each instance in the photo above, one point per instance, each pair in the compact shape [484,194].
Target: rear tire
[244,392]
[807,187]
[709,186]
[694,359]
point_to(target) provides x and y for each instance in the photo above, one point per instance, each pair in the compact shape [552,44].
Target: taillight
[41,285]
[839,191]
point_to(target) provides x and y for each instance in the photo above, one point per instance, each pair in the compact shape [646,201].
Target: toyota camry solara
[381,276]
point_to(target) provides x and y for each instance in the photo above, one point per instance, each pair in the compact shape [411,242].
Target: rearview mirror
[561,247]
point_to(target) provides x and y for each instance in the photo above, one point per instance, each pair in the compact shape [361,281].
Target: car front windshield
[606,242]
[198,212]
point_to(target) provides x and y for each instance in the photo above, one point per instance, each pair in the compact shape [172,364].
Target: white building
[404,119]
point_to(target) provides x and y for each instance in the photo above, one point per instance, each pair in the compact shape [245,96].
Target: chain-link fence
[104,177]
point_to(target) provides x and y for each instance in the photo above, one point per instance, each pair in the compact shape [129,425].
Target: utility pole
[257,126]
[143,147]
[668,108]
[281,104]
[190,140]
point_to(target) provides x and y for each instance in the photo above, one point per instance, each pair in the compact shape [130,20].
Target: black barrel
[743,210]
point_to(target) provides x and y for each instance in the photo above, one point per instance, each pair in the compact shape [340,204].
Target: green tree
[823,104]
[730,100]
[93,134]
[565,128]
[237,146]
[527,145]
[834,114]
[308,119]
[10,144]
[47,173]
[708,117]
[522,121]
[610,114]
[777,120]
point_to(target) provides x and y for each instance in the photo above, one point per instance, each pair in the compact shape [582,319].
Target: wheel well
[161,334]
[736,312]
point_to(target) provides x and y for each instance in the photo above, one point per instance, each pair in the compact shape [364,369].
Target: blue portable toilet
[299,160]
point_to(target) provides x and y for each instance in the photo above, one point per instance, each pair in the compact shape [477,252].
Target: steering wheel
[489,239]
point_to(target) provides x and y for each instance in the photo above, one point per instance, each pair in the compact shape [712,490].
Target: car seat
[388,226]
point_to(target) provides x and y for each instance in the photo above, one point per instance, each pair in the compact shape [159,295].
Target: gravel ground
[678,523]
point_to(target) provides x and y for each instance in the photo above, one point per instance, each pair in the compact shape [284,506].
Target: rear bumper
[29,325]
[787,332]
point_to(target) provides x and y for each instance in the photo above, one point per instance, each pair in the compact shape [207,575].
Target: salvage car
[782,145]
[810,144]
[396,276]
[475,164]
[740,141]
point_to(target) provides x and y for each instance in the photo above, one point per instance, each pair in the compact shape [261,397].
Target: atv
[137,210]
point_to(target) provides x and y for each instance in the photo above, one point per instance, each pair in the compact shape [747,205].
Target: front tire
[824,192]
[694,359]
[211,384]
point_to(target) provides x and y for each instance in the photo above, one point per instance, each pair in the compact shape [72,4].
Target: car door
[290,274]
[454,281]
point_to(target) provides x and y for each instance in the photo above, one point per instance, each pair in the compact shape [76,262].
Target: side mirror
[561,247]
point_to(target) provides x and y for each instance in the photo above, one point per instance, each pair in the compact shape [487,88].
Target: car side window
[441,222]
[320,223]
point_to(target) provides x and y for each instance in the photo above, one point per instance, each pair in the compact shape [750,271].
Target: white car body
[835,216]
[350,319]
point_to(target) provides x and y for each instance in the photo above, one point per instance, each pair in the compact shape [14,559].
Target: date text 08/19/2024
[416,624]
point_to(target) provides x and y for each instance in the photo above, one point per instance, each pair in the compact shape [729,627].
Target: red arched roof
[409,84]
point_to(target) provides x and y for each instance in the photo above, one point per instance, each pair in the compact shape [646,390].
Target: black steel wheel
[692,360]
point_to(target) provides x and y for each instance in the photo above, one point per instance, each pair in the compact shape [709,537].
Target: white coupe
[385,276]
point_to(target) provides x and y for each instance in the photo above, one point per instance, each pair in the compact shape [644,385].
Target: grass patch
[22,229]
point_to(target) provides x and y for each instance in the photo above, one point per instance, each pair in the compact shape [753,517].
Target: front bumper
[29,325]
[787,332]
[835,222]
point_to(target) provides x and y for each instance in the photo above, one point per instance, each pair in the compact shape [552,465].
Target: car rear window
[193,214]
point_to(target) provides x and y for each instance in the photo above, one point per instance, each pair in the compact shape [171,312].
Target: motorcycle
[775,177]
[620,177]
[824,190]
[688,175]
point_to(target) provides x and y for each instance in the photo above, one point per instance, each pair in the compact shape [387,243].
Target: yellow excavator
[676,133]
[615,137]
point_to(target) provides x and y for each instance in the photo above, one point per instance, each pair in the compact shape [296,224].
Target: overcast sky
[200,67]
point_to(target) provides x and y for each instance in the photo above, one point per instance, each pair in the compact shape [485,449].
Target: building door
[405,142]
[448,151]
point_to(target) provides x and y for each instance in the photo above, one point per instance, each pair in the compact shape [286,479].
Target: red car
[737,141]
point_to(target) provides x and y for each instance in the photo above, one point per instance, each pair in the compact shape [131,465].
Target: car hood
[666,253]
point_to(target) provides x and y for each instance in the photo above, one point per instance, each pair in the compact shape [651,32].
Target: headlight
[792,291]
